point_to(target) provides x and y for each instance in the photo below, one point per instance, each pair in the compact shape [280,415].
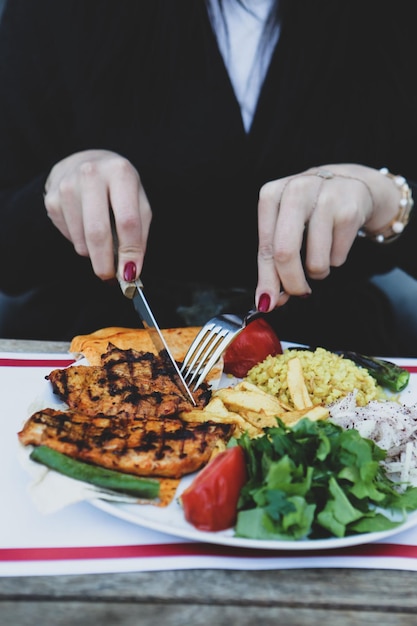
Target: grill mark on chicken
[130,382]
[124,415]
[165,447]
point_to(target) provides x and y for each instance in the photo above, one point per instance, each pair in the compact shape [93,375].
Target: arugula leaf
[374,523]
[338,511]
[317,479]
[280,520]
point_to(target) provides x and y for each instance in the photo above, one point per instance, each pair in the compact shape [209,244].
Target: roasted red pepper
[257,341]
[210,502]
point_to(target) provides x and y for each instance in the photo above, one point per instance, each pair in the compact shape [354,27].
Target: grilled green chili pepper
[95,475]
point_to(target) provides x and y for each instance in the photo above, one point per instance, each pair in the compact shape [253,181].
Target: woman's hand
[80,193]
[329,204]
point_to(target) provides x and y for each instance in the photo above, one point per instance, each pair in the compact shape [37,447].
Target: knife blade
[134,291]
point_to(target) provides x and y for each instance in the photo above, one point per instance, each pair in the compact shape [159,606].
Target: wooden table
[353,597]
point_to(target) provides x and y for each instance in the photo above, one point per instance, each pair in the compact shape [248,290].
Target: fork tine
[208,349]
[210,343]
[214,357]
[196,348]
[205,342]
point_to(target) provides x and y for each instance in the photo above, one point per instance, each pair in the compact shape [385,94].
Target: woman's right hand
[80,193]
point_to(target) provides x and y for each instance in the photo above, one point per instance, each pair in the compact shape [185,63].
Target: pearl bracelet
[393,230]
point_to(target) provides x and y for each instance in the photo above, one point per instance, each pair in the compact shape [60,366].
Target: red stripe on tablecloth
[195,549]
[15,362]
[36,362]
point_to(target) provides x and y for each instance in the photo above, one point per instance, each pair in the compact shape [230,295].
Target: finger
[53,206]
[333,228]
[264,301]
[72,209]
[296,204]
[96,219]
[319,237]
[354,200]
[269,284]
[132,216]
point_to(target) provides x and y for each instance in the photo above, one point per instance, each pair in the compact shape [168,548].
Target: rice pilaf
[328,377]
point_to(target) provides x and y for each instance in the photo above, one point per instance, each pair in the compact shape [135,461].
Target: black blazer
[146,79]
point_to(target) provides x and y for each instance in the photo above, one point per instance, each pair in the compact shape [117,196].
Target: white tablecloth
[83,539]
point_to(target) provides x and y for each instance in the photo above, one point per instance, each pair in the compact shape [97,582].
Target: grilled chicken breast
[159,446]
[131,383]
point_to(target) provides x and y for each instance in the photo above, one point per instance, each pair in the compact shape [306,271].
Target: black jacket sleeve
[34,124]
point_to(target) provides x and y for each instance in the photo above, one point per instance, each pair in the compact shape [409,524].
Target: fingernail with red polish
[264,302]
[129,272]
[306,295]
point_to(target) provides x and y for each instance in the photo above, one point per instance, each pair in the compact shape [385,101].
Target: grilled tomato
[257,341]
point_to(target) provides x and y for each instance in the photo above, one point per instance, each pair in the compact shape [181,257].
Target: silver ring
[324,174]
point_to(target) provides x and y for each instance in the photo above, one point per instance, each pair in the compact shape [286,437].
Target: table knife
[134,291]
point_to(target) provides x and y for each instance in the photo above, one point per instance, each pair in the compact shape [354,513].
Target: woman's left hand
[327,205]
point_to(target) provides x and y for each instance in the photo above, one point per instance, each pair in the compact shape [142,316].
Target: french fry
[296,385]
[315,414]
[245,385]
[215,411]
[258,408]
[212,415]
[237,398]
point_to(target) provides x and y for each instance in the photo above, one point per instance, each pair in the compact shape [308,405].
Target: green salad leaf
[317,480]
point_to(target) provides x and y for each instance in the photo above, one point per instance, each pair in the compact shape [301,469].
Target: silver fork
[212,340]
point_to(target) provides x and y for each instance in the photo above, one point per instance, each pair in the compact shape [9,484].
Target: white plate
[171,520]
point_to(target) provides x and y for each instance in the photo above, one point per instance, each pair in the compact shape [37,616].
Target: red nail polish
[129,272]
[264,302]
